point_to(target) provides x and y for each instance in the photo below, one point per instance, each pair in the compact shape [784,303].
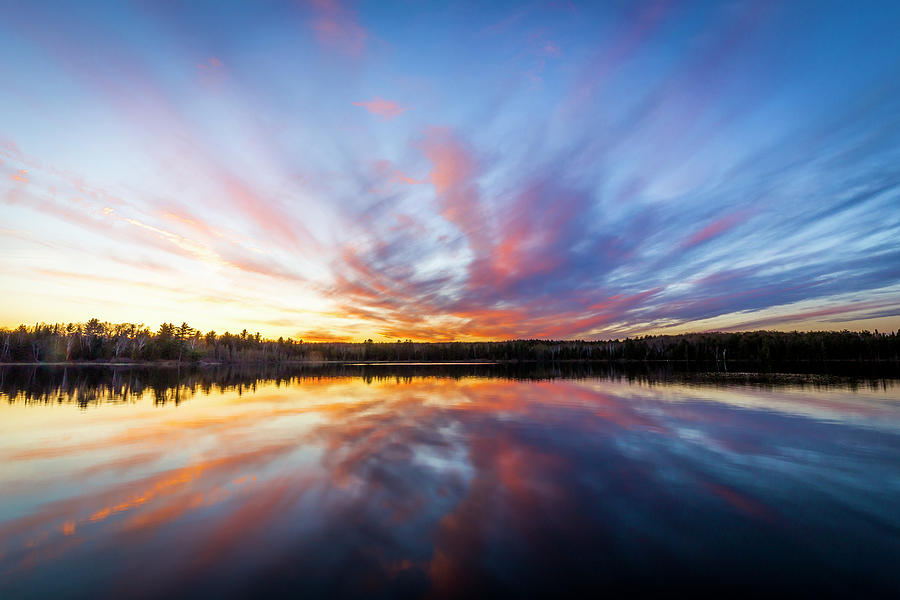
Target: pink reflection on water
[402,479]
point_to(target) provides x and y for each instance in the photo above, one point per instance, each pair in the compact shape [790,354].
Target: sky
[327,170]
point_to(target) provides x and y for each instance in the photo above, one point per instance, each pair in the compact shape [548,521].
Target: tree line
[100,341]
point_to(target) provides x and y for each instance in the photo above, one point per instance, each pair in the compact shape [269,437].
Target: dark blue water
[128,484]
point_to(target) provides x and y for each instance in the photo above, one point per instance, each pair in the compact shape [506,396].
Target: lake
[408,482]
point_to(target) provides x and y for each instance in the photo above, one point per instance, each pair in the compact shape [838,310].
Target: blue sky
[331,170]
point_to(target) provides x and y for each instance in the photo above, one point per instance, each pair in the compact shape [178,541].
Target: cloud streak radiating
[349,171]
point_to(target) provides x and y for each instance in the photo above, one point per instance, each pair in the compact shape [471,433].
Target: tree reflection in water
[442,481]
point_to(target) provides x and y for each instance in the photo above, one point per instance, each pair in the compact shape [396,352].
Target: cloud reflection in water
[433,486]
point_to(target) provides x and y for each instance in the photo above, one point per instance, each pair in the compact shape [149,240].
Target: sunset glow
[449,479]
[334,171]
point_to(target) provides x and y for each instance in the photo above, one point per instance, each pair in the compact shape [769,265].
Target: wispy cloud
[670,171]
[386,109]
[337,27]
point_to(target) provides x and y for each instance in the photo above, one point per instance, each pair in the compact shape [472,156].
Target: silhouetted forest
[98,341]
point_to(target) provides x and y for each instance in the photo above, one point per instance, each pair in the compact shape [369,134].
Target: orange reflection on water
[402,477]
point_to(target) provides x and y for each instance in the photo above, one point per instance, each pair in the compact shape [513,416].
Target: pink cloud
[386,109]
[386,175]
[454,176]
[337,27]
[211,63]
[717,227]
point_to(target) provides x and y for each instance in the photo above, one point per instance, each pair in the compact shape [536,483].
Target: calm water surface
[392,482]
